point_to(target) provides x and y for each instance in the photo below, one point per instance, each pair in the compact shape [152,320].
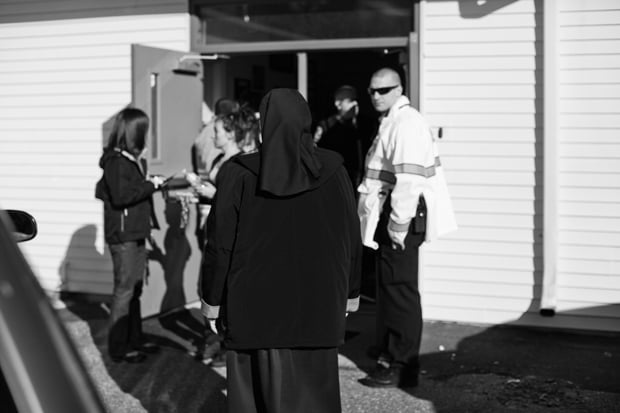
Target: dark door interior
[331,69]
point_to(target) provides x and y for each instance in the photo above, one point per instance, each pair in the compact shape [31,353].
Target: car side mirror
[24,225]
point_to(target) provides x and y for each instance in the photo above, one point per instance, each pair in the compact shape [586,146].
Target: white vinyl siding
[61,82]
[588,286]
[482,83]
[33,10]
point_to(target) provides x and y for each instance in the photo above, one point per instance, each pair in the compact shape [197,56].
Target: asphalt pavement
[465,368]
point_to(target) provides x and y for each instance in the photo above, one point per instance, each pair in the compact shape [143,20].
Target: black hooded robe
[283,261]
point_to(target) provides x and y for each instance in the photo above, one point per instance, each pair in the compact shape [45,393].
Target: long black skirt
[283,381]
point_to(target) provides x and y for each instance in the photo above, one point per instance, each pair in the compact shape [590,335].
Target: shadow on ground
[467,368]
[171,381]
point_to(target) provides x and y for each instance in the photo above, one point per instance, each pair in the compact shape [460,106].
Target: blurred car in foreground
[41,370]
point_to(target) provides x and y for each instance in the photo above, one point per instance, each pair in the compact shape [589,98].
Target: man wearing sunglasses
[403,179]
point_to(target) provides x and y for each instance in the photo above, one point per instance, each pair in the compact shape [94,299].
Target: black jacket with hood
[283,251]
[127,197]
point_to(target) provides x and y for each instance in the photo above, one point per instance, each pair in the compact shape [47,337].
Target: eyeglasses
[381,90]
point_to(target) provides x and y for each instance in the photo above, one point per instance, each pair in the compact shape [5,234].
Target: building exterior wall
[588,50]
[482,81]
[65,70]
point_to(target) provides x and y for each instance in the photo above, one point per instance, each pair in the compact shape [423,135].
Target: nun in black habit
[281,266]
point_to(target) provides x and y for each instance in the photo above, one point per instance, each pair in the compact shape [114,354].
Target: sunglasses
[381,90]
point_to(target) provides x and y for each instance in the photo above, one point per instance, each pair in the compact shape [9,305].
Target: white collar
[401,102]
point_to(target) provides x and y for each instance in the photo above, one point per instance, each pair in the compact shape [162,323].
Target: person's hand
[318,134]
[206,189]
[213,325]
[192,178]
[349,109]
[156,180]
[348,105]
[398,239]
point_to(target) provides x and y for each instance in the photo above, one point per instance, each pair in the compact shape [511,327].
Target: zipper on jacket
[123,215]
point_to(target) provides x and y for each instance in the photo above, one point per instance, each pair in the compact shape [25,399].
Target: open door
[169,89]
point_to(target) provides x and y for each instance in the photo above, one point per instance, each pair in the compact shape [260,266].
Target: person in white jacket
[403,202]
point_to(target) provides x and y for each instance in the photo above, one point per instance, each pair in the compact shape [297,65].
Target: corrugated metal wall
[589,162]
[63,75]
[482,82]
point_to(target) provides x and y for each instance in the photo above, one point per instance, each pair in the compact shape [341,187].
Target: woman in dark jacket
[283,262]
[127,192]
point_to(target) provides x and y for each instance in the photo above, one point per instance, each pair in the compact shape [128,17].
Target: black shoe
[148,347]
[383,377]
[130,357]
[393,376]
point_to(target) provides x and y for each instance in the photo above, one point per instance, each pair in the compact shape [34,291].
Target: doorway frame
[301,47]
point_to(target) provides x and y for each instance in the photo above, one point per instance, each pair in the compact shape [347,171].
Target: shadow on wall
[474,9]
[176,251]
[84,268]
[173,258]
[84,264]
[538,224]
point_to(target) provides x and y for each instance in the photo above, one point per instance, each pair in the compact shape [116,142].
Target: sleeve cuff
[209,311]
[393,226]
[353,304]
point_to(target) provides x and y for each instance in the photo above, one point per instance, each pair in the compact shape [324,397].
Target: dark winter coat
[283,266]
[127,197]
[282,269]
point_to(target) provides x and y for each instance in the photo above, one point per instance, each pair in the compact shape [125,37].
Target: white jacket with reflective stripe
[403,160]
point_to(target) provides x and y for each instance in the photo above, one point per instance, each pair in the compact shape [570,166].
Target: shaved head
[388,74]
[385,88]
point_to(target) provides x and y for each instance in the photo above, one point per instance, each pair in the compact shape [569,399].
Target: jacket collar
[401,102]
[131,158]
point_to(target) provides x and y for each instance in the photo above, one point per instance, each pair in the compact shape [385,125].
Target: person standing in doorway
[403,202]
[126,190]
[281,265]
[344,132]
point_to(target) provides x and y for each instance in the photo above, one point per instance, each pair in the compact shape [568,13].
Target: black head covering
[289,163]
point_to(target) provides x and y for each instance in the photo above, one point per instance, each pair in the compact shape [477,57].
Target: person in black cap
[344,133]
[281,265]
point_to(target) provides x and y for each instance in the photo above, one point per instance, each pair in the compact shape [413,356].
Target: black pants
[399,310]
[283,381]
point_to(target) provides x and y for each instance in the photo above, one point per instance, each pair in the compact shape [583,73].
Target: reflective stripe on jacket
[404,161]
